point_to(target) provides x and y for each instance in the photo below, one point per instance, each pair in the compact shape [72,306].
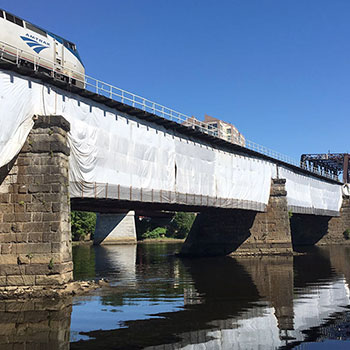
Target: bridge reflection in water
[158,301]
[35,324]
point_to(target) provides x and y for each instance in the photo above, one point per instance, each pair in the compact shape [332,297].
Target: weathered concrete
[35,234]
[245,232]
[115,229]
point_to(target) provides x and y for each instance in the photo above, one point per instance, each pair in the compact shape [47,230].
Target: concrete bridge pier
[243,232]
[35,234]
[115,228]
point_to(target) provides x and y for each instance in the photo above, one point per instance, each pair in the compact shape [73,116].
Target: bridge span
[122,157]
[115,155]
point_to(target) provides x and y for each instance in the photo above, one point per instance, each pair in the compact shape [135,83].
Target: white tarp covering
[15,115]
[108,147]
[314,194]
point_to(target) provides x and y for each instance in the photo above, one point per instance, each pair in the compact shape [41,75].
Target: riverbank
[147,240]
[162,240]
[78,243]
[52,292]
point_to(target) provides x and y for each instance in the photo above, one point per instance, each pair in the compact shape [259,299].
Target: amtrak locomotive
[25,44]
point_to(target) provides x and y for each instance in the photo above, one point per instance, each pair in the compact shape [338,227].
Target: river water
[159,301]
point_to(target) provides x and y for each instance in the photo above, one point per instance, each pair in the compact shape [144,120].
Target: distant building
[216,127]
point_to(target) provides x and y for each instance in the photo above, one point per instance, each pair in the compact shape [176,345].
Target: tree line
[83,226]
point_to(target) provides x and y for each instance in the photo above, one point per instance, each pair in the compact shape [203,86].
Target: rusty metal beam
[336,163]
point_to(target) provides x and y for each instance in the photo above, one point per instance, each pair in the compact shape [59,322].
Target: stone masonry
[321,230]
[338,225]
[243,232]
[270,233]
[35,236]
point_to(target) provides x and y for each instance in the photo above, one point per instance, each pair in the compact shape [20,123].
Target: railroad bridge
[113,152]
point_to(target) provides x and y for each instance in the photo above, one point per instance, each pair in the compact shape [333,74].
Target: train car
[26,44]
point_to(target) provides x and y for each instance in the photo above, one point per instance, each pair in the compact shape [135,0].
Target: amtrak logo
[35,43]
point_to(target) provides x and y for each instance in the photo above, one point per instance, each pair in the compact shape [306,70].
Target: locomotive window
[10,18]
[1,14]
[19,21]
[35,29]
[70,45]
[14,19]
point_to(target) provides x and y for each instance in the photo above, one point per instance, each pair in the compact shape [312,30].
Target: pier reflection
[116,261]
[35,324]
[243,303]
[158,301]
[274,280]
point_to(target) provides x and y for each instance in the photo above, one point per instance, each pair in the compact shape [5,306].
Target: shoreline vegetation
[162,240]
[143,241]
[173,228]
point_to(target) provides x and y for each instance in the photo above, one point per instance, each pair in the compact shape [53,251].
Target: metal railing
[16,56]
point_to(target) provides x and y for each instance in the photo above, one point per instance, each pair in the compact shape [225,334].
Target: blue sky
[277,69]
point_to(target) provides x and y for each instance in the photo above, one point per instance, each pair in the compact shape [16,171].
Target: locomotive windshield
[35,29]
[14,19]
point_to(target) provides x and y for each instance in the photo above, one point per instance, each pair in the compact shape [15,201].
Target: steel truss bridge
[335,163]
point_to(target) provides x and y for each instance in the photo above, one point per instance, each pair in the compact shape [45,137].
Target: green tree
[181,224]
[83,224]
[142,226]
[156,233]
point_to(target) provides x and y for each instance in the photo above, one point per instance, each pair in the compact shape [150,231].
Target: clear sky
[277,69]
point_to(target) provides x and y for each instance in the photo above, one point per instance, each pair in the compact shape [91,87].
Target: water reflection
[158,301]
[116,262]
[223,303]
[35,324]
[84,262]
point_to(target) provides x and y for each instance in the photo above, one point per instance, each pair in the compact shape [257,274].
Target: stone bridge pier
[321,230]
[276,231]
[243,232]
[35,234]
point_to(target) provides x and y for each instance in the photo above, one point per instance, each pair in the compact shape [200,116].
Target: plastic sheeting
[114,155]
[310,195]
[16,114]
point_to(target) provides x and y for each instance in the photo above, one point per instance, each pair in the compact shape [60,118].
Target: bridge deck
[138,157]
